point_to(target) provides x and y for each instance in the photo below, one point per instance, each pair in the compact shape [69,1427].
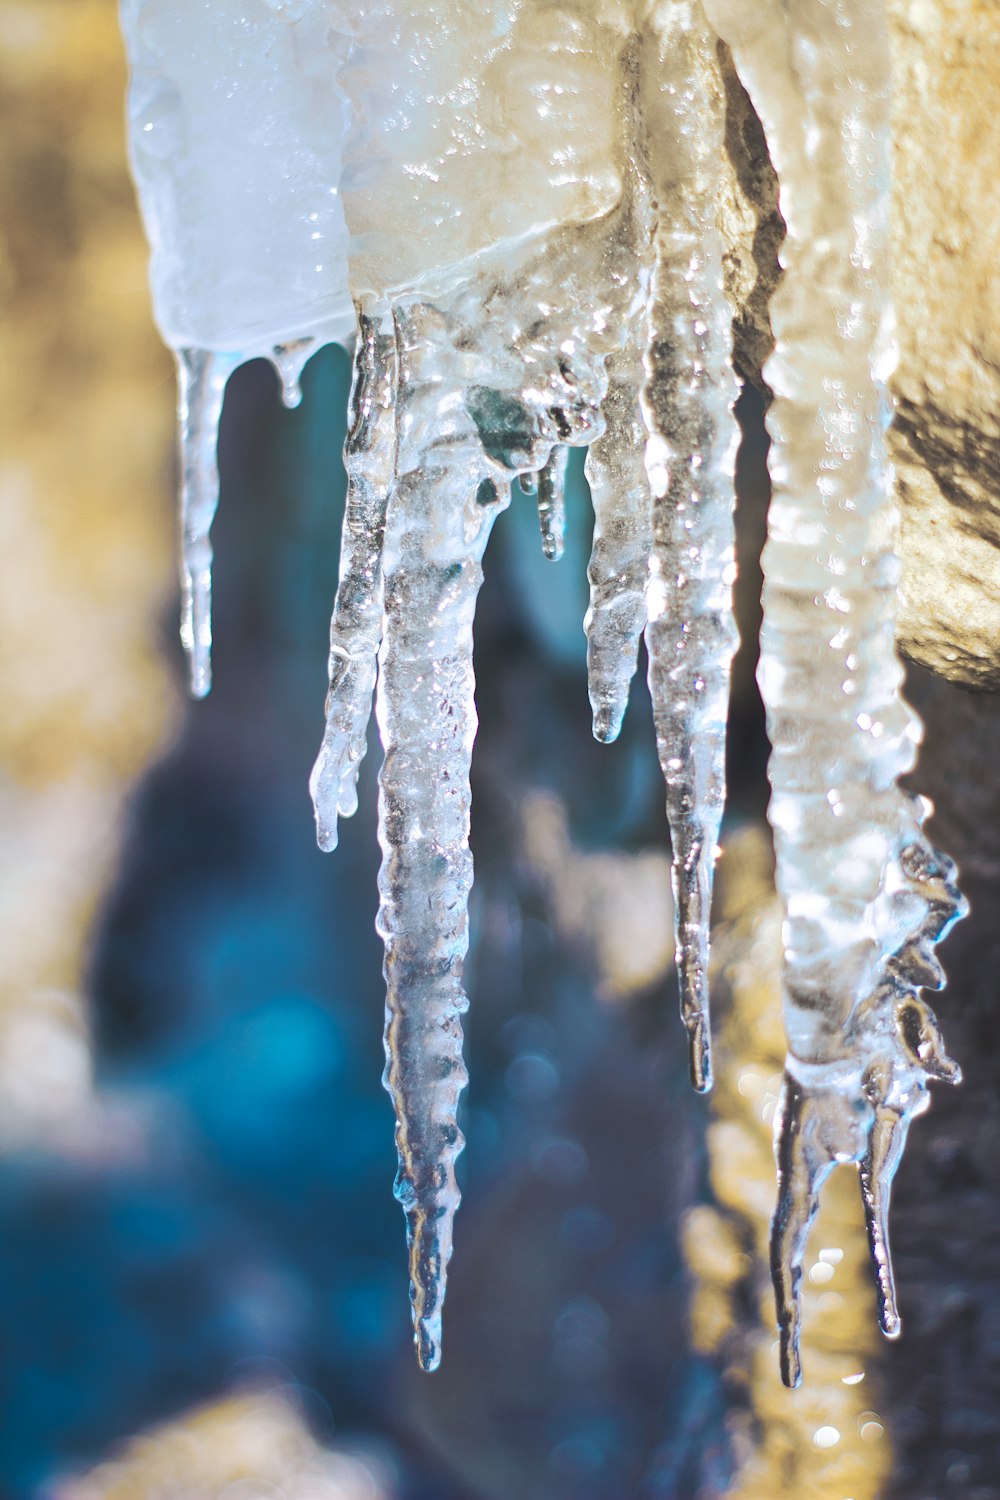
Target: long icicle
[690,453]
[356,626]
[615,465]
[201,389]
[865,896]
[441,512]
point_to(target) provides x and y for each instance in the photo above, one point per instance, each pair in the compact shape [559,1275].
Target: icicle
[442,509]
[619,560]
[551,493]
[356,626]
[201,388]
[290,360]
[687,399]
[865,895]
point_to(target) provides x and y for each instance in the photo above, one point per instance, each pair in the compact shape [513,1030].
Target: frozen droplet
[290,360]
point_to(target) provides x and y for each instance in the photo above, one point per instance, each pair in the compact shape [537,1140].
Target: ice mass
[508,210]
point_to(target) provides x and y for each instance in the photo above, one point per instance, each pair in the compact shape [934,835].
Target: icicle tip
[608,719]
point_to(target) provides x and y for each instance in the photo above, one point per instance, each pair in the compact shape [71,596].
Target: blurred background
[202,1269]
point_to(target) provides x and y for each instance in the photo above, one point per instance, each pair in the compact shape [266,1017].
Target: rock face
[947,250]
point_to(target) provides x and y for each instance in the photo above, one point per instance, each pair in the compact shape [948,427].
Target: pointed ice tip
[607,723]
[700,1059]
[791,1359]
[427,1337]
[552,548]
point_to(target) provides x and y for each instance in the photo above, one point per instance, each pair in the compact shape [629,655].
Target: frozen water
[514,207]
[865,896]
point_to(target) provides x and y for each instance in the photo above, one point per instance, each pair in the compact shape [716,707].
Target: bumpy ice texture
[506,353]
[864,894]
[576,303]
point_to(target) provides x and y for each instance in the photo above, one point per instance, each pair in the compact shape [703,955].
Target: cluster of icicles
[510,207]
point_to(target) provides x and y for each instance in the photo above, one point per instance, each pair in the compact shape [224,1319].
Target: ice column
[864,895]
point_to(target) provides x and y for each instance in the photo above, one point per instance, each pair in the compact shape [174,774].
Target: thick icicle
[201,389]
[442,509]
[687,399]
[551,493]
[865,895]
[356,626]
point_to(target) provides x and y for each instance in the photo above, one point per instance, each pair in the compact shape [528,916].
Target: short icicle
[619,560]
[201,389]
[551,492]
[690,453]
[865,896]
[290,360]
[356,625]
[441,512]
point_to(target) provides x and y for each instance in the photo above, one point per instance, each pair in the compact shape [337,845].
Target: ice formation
[519,198]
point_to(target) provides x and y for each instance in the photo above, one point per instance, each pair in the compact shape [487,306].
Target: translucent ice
[236,122]
[865,896]
[514,205]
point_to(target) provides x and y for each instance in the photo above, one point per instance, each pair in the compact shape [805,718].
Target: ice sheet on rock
[690,453]
[201,388]
[356,626]
[482,125]
[865,895]
[236,122]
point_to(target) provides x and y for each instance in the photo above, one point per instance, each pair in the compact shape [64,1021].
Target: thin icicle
[619,560]
[201,389]
[442,510]
[865,895]
[687,399]
[356,626]
[551,493]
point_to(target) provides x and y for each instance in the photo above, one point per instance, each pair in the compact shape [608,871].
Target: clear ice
[236,123]
[865,896]
[312,171]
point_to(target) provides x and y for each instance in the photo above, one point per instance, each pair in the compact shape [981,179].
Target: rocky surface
[947,249]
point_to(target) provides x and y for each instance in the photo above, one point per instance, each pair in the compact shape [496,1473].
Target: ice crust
[236,123]
[512,204]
